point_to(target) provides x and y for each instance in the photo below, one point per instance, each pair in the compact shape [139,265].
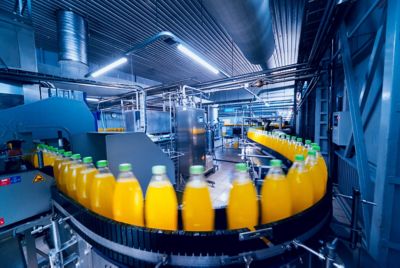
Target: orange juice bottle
[321,165]
[315,174]
[128,198]
[197,209]
[61,166]
[161,204]
[242,210]
[84,182]
[102,190]
[74,169]
[66,172]
[301,186]
[276,201]
[50,156]
[57,160]
[307,147]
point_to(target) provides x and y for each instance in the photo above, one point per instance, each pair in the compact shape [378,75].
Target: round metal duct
[249,24]
[72,37]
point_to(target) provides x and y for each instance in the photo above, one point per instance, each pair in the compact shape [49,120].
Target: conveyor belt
[137,246]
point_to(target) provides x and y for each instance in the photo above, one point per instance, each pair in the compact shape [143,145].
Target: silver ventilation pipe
[249,24]
[72,43]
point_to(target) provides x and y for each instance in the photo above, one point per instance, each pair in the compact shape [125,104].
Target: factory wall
[346,165]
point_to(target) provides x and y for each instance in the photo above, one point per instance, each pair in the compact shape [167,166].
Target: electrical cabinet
[342,128]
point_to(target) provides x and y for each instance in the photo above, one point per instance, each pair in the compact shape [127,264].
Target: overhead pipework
[72,43]
[249,24]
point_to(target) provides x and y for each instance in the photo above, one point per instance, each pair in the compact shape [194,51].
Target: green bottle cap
[308,141]
[299,157]
[293,138]
[314,144]
[275,163]
[125,167]
[87,160]
[241,167]
[76,156]
[68,154]
[61,151]
[312,152]
[102,163]
[196,170]
[316,148]
[159,170]
[299,139]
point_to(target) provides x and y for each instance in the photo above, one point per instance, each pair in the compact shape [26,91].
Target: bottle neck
[299,165]
[196,177]
[159,178]
[241,176]
[104,170]
[125,175]
[275,172]
[89,165]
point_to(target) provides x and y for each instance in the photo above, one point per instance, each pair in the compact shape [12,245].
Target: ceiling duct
[72,43]
[249,24]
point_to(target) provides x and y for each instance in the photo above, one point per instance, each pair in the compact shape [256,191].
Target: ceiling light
[267,104]
[197,59]
[92,99]
[109,67]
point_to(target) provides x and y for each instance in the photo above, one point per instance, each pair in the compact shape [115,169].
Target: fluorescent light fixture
[109,67]
[267,104]
[92,99]
[197,59]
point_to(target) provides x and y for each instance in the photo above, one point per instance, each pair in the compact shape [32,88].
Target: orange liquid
[198,212]
[317,181]
[63,172]
[128,202]
[242,210]
[301,189]
[323,169]
[161,206]
[276,201]
[83,184]
[102,193]
[71,183]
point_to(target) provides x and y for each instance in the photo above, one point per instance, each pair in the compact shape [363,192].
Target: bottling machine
[76,235]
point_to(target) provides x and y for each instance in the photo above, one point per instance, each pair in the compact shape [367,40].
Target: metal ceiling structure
[114,26]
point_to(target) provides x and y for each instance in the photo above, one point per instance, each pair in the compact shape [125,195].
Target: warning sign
[38,178]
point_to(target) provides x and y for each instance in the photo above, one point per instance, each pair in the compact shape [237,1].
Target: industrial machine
[190,137]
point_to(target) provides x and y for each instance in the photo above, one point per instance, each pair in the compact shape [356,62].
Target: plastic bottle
[242,210]
[197,209]
[299,148]
[61,166]
[128,200]
[321,164]
[84,182]
[315,174]
[66,171]
[161,204]
[57,160]
[51,155]
[75,168]
[307,147]
[276,201]
[102,190]
[301,186]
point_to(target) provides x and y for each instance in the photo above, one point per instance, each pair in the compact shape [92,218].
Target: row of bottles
[289,147]
[122,199]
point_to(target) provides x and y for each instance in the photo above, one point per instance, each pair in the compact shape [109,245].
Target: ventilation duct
[72,43]
[249,24]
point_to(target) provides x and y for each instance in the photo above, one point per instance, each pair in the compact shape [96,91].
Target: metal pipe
[364,17]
